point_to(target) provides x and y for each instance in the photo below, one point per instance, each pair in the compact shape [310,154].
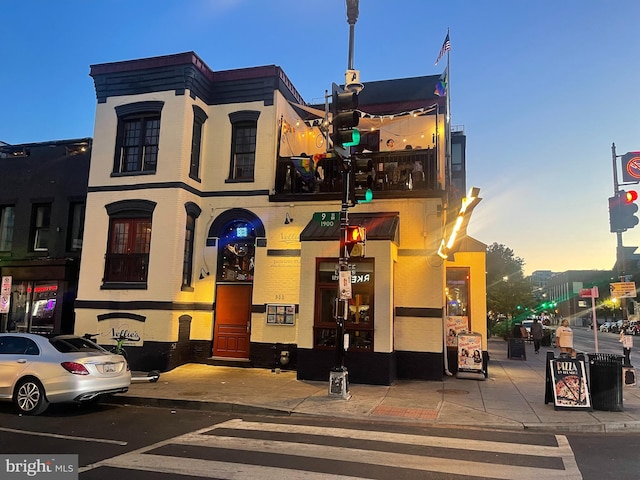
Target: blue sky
[542,88]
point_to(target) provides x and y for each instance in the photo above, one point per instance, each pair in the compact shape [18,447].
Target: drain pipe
[444,347]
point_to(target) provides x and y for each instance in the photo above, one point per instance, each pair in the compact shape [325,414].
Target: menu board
[281,314]
[569,384]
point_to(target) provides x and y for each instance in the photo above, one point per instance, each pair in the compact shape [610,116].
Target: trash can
[605,373]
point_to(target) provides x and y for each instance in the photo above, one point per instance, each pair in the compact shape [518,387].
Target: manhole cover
[454,391]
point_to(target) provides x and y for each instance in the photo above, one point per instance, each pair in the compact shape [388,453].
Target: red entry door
[233,321]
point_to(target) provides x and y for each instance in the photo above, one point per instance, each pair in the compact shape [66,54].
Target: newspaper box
[470,364]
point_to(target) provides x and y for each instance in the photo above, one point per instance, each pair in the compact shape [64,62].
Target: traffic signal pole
[339,375]
[620,256]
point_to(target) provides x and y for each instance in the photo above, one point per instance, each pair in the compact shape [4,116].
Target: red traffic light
[630,196]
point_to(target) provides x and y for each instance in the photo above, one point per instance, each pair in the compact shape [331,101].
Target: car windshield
[75,344]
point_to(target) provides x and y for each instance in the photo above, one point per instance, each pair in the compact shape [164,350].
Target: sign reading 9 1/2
[327,219]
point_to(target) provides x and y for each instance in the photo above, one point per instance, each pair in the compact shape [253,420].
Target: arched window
[138,137]
[244,126]
[236,252]
[193,212]
[128,247]
[199,117]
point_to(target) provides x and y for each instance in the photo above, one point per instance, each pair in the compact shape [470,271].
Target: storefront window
[458,292]
[32,307]
[359,323]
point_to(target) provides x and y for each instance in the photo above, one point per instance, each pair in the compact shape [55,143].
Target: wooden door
[232,329]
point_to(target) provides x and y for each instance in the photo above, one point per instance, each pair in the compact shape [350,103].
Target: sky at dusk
[542,88]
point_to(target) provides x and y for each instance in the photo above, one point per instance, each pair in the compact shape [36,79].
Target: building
[564,289]
[42,212]
[211,230]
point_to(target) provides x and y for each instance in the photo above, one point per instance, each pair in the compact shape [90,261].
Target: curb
[221,407]
[236,408]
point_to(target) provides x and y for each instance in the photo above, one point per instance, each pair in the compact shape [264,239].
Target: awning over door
[379,226]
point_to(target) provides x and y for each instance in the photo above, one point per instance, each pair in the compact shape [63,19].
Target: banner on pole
[5,294]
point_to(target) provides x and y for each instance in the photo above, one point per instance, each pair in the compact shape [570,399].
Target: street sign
[327,219]
[623,290]
[589,292]
[631,167]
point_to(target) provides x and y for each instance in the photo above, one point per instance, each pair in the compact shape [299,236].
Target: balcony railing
[131,267]
[391,174]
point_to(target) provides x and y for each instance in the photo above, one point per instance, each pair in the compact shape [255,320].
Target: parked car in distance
[546,330]
[36,371]
[615,326]
[606,327]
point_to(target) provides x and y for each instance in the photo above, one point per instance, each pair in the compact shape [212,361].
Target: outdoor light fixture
[468,204]
[288,219]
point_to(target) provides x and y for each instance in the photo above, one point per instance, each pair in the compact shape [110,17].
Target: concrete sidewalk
[512,397]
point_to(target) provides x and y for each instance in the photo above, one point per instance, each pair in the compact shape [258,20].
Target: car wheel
[30,397]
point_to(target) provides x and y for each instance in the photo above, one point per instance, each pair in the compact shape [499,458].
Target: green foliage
[508,293]
[499,329]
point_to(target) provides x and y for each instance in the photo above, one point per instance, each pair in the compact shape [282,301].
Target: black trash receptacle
[605,373]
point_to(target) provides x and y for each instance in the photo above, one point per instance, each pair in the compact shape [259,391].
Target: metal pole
[339,377]
[352,18]
[343,266]
[594,323]
[620,256]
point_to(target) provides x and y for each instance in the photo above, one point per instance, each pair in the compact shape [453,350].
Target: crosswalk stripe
[145,459]
[213,469]
[423,440]
[444,465]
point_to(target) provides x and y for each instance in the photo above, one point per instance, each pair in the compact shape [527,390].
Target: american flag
[446,46]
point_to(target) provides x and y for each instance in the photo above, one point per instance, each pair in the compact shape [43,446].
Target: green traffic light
[368,196]
[355,139]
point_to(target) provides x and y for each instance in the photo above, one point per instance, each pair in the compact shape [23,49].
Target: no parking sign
[631,167]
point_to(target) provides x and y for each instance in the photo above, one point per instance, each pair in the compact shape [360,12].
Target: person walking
[627,343]
[564,338]
[536,334]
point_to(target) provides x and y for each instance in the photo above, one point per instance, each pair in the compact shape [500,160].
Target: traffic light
[629,209]
[345,118]
[355,240]
[622,210]
[362,179]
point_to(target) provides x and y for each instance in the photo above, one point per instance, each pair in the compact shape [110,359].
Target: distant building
[540,278]
[42,213]
[564,289]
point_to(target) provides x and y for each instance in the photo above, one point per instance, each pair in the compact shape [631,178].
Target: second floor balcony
[395,174]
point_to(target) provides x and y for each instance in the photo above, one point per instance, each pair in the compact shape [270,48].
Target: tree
[508,293]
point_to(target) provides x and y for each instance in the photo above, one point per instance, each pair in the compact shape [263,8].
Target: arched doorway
[237,231]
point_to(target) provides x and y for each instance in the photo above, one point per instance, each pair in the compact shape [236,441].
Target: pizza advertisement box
[569,384]
[455,325]
[470,362]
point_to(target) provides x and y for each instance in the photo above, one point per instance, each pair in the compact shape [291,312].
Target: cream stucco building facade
[201,237]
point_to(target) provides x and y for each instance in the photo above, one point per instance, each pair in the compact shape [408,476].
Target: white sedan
[36,371]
